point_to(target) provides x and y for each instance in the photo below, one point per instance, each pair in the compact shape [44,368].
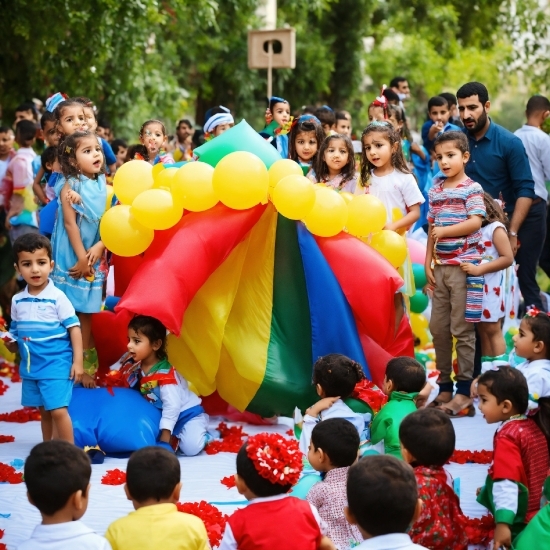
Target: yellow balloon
[109,200]
[157,169]
[366,214]
[192,185]
[164,178]
[241,180]
[419,322]
[122,234]
[396,215]
[294,197]
[391,245]
[156,209]
[347,196]
[329,213]
[281,169]
[131,179]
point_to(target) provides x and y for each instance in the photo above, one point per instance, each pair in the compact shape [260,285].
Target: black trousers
[544,261]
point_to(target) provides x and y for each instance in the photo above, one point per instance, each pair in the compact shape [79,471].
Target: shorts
[48,393]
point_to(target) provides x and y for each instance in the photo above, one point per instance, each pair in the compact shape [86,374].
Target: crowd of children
[369,466]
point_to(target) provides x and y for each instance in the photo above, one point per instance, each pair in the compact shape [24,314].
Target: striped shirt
[452,206]
[40,325]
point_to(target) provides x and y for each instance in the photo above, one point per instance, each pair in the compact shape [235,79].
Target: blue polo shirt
[500,164]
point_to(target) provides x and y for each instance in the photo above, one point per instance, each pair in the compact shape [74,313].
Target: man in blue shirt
[498,162]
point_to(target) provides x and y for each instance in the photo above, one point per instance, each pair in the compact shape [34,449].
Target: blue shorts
[50,394]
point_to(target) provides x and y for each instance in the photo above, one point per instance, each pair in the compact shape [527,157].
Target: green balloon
[419,302]
[419,273]
[241,137]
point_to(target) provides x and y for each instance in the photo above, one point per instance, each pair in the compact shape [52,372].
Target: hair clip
[494,367]
[68,149]
[534,312]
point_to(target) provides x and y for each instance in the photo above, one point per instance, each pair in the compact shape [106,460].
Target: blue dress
[86,296]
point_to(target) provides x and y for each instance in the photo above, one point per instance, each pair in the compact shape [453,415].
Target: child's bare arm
[326,544]
[429,255]
[406,221]
[37,188]
[505,259]
[77,369]
[73,197]
[462,229]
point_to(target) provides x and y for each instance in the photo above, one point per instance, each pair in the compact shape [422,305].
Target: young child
[153,484]
[26,111]
[343,123]
[42,190]
[404,379]
[69,117]
[513,487]
[278,121]
[427,443]
[385,174]
[182,143]
[335,164]
[120,148]
[19,220]
[304,141]
[76,244]
[152,135]
[335,377]
[104,129]
[145,367]
[383,502]
[326,117]
[379,109]
[217,120]
[332,450]
[57,476]
[439,113]
[47,333]
[268,465]
[7,152]
[455,216]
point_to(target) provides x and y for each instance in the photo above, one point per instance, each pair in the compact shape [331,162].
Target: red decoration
[26,414]
[114,477]
[369,393]
[112,379]
[213,519]
[290,432]
[9,475]
[480,530]
[2,545]
[472,457]
[9,370]
[228,481]
[3,388]
[6,439]
[232,439]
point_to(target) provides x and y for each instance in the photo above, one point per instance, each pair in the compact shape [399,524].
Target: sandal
[468,410]
[438,403]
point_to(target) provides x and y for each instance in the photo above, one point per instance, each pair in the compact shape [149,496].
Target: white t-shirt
[65,536]
[4,167]
[395,190]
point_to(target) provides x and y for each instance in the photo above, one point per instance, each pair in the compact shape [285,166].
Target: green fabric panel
[537,532]
[287,380]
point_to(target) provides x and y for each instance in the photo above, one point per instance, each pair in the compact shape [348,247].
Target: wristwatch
[512,233]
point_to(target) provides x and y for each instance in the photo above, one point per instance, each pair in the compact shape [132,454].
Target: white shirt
[176,398]
[65,536]
[395,190]
[537,147]
[537,374]
[395,541]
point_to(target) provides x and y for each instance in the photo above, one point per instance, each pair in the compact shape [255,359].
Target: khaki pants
[448,320]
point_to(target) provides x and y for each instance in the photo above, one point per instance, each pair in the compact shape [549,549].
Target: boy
[153,485]
[456,211]
[343,123]
[383,502]
[7,152]
[103,129]
[332,450]
[404,379]
[120,148]
[513,487]
[47,332]
[439,113]
[453,109]
[427,443]
[57,476]
[25,111]
[327,118]
[217,120]
[268,465]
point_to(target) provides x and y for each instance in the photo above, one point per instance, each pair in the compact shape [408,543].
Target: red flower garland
[228,481]
[232,439]
[6,439]
[472,457]
[9,370]
[275,458]
[370,394]
[9,475]
[214,520]
[480,530]
[3,388]
[114,477]
[290,432]
[26,414]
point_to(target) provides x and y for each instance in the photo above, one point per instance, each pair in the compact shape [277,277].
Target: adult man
[400,86]
[182,142]
[499,163]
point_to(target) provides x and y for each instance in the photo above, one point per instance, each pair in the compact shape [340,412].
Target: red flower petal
[214,520]
[6,439]
[480,530]
[9,475]
[290,432]
[228,481]
[472,457]
[232,439]
[114,477]
[26,414]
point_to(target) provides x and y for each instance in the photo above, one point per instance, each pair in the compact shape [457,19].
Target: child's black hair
[340,115]
[148,123]
[325,115]
[136,149]
[152,473]
[274,100]
[339,439]
[451,99]
[5,129]
[321,167]
[406,373]
[58,111]
[30,242]
[27,106]
[116,144]
[103,122]
[539,325]
[428,434]
[390,95]
[458,138]
[25,132]
[48,116]
[259,485]
[376,485]
[86,102]
[48,156]
[507,383]
[437,101]
[337,374]
[152,329]
[184,121]
[303,125]
[495,213]
[66,153]
[54,471]
[537,104]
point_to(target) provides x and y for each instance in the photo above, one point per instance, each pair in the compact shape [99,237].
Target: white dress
[493,304]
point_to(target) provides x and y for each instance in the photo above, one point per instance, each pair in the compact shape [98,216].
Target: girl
[335,164]
[496,258]
[152,136]
[306,136]
[385,174]
[335,377]
[145,367]
[77,248]
[278,120]
[379,109]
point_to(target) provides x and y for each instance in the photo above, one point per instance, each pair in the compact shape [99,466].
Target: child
[335,165]
[455,216]
[42,190]
[145,367]
[497,256]
[217,120]
[513,487]
[454,117]
[153,484]
[278,120]
[104,129]
[343,123]
[268,465]
[439,113]
[326,117]
[404,379]
[7,152]
[427,443]
[379,109]
[152,135]
[305,139]
[57,476]
[335,377]
[332,450]
[76,245]
[19,220]
[47,332]
[182,144]
[120,148]
[385,174]
[383,502]
[26,111]
[70,118]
